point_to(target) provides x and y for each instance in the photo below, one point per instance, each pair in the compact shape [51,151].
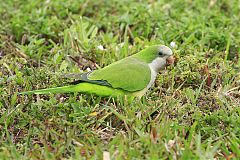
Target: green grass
[192,112]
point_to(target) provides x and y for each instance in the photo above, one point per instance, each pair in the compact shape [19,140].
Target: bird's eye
[161,54]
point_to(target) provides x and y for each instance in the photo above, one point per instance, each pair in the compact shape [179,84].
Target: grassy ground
[192,112]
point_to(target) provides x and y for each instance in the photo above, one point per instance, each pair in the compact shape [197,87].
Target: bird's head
[157,56]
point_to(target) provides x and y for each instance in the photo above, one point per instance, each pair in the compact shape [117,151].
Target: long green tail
[84,87]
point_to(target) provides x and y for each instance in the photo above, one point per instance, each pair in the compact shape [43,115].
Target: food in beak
[170,60]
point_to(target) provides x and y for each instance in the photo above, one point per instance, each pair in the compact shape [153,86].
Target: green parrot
[131,76]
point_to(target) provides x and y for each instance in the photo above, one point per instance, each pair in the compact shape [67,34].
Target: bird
[131,76]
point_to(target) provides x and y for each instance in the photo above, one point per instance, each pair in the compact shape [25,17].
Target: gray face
[164,51]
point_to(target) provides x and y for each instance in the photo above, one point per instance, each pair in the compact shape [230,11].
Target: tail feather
[84,87]
[64,89]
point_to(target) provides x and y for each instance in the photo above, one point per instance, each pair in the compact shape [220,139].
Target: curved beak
[170,60]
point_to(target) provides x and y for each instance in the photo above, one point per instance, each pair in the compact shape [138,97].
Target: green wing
[128,74]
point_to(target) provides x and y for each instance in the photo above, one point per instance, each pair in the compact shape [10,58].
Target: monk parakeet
[131,76]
